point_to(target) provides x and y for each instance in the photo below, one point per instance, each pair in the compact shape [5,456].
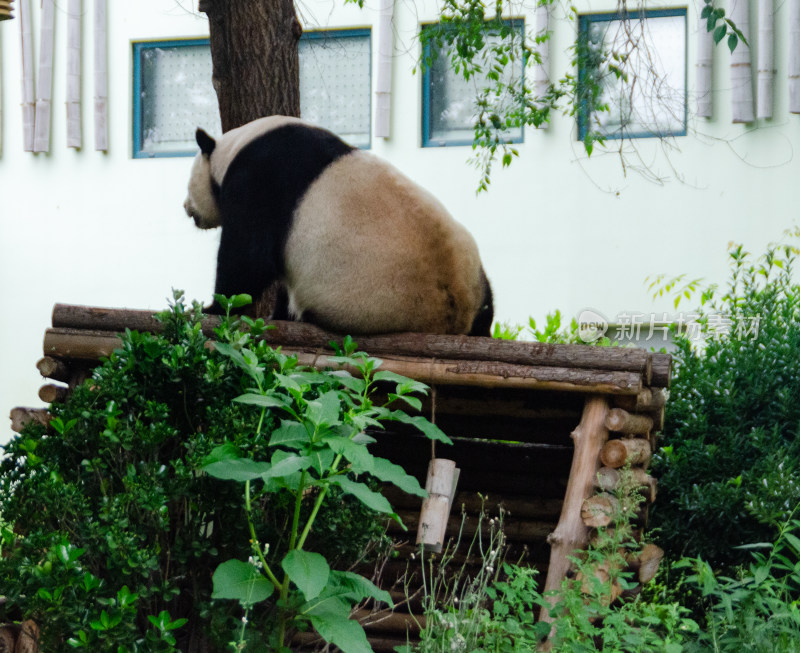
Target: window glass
[173,93]
[637,67]
[449,101]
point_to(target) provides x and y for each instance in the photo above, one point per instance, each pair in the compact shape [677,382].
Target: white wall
[556,230]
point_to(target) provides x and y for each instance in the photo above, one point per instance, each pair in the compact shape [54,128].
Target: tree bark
[256,68]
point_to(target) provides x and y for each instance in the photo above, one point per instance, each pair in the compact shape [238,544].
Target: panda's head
[202,198]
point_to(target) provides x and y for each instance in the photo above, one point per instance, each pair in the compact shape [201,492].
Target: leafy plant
[729,468]
[321,444]
[114,518]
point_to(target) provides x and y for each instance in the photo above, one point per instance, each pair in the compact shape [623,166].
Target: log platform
[538,429]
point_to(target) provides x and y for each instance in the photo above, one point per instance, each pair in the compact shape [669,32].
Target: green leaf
[357,454]
[286,465]
[265,401]
[241,582]
[308,570]
[431,431]
[373,500]
[356,588]
[343,632]
[719,33]
[237,469]
[225,451]
[236,356]
[289,434]
[387,471]
[325,411]
[733,40]
[237,301]
[410,384]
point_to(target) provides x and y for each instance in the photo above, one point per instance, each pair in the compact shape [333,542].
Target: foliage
[728,474]
[480,43]
[495,609]
[119,516]
[758,609]
[552,333]
[320,445]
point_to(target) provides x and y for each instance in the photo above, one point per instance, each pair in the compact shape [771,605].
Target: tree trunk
[256,68]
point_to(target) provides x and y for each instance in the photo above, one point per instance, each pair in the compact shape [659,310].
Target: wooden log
[92,345]
[571,533]
[621,421]
[495,375]
[599,510]
[648,400]
[646,562]
[602,573]
[53,368]
[20,417]
[8,639]
[51,392]
[388,621]
[410,344]
[78,344]
[28,638]
[617,453]
[608,480]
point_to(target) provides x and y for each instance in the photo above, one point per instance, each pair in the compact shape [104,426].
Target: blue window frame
[449,110]
[635,64]
[173,94]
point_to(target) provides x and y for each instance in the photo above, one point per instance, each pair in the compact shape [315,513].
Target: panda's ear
[206,142]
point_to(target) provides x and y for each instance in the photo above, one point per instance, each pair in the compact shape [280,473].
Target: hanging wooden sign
[441,487]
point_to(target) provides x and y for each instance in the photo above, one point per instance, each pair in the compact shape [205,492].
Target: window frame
[583,116]
[140,45]
[427,140]
[138,135]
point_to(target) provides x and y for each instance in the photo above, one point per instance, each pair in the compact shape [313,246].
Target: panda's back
[371,251]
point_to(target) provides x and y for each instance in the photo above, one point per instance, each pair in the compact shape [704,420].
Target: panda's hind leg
[482,324]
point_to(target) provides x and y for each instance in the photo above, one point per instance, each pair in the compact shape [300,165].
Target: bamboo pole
[541,70]
[74,14]
[571,533]
[28,84]
[652,368]
[705,63]
[440,485]
[741,74]
[44,94]
[766,58]
[383,81]
[100,76]
[794,56]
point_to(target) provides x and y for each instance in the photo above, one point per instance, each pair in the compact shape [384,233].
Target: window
[635,65]
[449,109]
[173,94]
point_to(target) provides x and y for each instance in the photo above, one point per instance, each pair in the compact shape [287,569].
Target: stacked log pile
[510,408]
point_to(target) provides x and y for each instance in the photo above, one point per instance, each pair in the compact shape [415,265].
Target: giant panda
[359,247]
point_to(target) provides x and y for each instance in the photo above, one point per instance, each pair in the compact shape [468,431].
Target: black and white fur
[359,247]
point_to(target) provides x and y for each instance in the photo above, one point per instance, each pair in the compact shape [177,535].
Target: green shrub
[121,515]
[729,471]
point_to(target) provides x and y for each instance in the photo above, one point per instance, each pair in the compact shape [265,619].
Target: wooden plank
[406,344]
